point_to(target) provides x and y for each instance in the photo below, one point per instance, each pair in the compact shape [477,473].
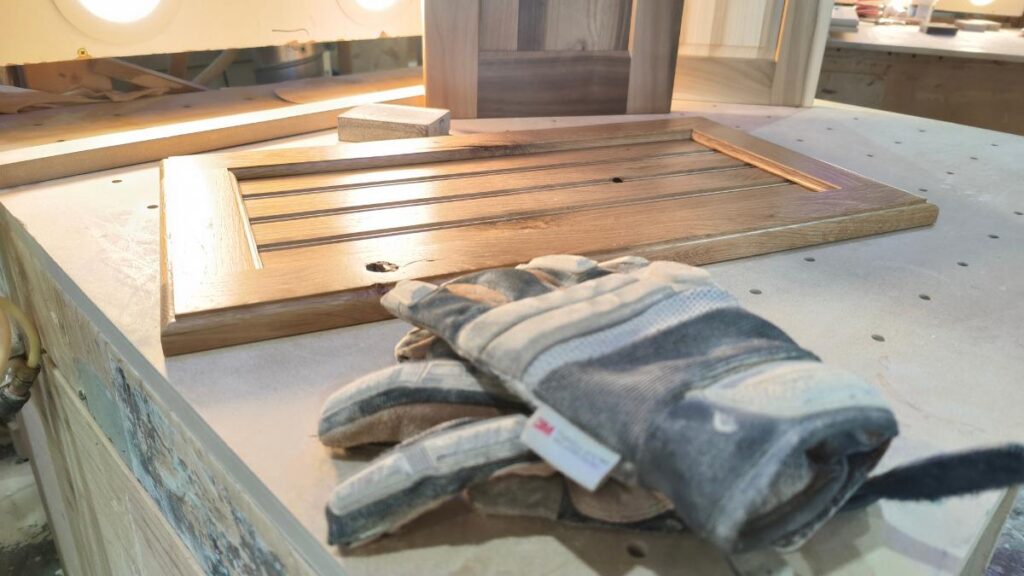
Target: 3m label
[568,449]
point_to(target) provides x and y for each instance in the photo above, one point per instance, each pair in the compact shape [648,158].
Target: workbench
[210,463]
[973,78]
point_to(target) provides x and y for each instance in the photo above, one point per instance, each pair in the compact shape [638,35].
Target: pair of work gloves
[626,393]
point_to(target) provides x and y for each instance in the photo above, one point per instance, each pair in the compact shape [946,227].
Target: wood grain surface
[771,55]
[652,64]
[518,58]
[552,83]
[48,144]
[450,45]
[311,238]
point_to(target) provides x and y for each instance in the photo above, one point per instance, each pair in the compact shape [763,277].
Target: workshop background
[69,72]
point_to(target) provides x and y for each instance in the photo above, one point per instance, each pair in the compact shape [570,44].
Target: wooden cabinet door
[509,58]
[262,244]
[752,51]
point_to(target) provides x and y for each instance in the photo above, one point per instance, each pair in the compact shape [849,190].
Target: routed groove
[434,191]
[307,183]
[529,204]
[740,214]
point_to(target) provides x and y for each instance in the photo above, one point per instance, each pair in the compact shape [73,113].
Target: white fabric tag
[568,449]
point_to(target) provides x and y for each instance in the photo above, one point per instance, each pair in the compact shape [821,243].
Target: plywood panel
[326,254]
[578,25]
[553,83]
[768,55]
[747,29]
[529,203]
[116,526]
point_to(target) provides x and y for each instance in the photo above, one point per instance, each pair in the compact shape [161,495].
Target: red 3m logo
[543,426]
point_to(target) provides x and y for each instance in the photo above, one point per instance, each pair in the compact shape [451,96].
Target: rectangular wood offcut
[262,244]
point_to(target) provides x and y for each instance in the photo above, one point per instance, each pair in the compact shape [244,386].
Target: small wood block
[977,25]
[390,122]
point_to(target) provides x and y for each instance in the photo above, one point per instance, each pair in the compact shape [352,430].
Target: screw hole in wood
[617,180]
[636,549]
[382,266]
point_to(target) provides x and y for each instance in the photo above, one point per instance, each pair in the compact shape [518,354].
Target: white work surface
[1005,45]
[951,366]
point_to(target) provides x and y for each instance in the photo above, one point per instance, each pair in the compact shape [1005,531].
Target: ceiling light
[376,5]
[120,11]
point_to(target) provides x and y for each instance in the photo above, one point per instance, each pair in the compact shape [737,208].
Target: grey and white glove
[431,404]
[750,438]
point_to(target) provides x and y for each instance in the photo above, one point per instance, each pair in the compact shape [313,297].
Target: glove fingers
[536,490]
[395,403]
[420,475]
[420,344]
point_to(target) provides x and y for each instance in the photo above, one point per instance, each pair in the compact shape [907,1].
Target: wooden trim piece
[317,257]
[216,226]
[122,148]
[808,172]
[798,65]
[450,46]
[652,51]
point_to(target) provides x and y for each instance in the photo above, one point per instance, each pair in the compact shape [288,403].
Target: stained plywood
[258,245]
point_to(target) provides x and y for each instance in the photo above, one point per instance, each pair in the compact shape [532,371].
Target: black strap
[943,476]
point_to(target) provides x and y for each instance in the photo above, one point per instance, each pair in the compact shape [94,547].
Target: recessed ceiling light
[376,5]
[120,11]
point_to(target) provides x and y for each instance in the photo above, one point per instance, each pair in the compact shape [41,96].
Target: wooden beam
[123,145]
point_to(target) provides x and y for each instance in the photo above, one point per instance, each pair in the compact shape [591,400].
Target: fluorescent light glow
[981,2]
[376,5]
[120,11]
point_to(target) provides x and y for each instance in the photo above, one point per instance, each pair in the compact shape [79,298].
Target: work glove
[437,394]
[703,406]
[749,436]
